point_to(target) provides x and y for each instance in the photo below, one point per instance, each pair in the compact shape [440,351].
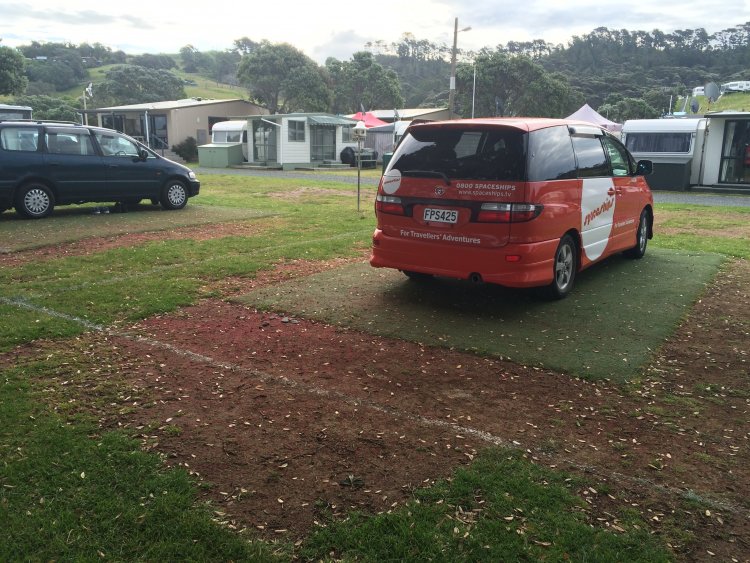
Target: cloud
[86,17]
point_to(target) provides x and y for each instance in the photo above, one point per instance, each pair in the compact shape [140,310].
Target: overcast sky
[323,28]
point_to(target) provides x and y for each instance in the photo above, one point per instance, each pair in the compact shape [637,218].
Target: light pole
[359,132]
[474,90]
[452,91]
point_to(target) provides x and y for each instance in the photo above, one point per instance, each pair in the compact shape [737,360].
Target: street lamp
[452,91]
[359,133]
[474,90]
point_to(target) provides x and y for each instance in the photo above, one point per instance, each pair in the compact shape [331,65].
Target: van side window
[116,145]
[618,157]
[551,155]
[19,139]
[592,162]
[69,141]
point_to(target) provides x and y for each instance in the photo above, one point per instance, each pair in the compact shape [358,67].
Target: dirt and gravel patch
[288,421]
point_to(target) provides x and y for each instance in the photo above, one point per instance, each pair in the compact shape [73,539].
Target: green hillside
[196,86]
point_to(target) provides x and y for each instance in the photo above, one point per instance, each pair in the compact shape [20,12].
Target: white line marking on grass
[23,304]
[264,377]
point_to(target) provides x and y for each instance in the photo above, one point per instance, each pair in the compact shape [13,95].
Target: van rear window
[477,154]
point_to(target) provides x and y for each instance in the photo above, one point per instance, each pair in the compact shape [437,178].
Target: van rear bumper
[533,265]
[513,265]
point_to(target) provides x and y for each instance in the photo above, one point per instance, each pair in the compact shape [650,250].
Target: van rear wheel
[564,270]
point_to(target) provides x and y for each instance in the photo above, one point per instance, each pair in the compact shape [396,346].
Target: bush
[187,149]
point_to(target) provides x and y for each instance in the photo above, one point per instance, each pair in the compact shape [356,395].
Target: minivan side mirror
[142,154]
[645,167]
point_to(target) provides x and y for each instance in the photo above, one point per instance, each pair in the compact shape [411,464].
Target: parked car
[44,164]
[520,202]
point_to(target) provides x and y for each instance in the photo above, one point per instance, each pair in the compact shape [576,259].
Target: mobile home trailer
[736,86]
[675,146]
[14,112]
[230,132]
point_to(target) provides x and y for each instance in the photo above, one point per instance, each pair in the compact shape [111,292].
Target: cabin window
[296,131]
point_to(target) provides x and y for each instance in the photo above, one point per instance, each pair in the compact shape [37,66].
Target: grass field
[70,491]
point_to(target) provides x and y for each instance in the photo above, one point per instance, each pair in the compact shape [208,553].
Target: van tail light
[389,204]
[508,212]
[522,212]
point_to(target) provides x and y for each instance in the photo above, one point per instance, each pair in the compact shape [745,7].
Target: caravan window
[659,142]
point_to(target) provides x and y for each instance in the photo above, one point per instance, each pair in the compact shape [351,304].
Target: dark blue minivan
[43,164]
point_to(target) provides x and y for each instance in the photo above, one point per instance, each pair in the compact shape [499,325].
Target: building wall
[190,121]
[295,152]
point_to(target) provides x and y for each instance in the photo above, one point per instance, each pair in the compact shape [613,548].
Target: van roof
[522,123]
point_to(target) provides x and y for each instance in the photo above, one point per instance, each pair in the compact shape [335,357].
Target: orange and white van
[520,202]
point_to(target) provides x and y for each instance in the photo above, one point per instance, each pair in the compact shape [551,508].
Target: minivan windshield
[492,153]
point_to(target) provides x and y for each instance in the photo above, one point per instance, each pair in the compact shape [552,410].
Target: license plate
[441,215]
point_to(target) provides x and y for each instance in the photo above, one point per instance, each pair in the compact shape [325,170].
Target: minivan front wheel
[564,268]
[174,195]
[34,201]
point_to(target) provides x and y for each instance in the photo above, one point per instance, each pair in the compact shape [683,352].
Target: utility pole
[452,90]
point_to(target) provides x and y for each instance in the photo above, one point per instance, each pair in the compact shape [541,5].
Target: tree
[628,108]
[196,61]
[163,62]
[130,84]
[49,107]
[245,46]
[284,79]
[513,85]
[363,82]
[12,78]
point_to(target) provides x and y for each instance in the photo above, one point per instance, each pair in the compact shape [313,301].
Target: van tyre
[34,201]
[641,238]
[174,195]
[564,269]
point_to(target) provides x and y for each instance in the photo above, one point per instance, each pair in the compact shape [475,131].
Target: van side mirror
[644,168]
[142,154]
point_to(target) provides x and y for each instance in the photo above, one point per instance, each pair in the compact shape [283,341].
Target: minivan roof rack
[39,121]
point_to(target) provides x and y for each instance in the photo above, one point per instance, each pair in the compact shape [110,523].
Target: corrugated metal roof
[330,120]
[172,104]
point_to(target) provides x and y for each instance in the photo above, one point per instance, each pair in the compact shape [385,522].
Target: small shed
[220,155]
